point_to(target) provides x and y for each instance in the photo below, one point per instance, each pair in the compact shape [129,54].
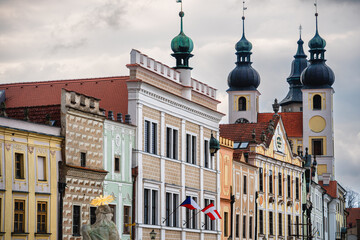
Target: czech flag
[211,211]
[190,204]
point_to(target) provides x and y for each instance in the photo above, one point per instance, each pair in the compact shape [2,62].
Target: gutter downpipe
[256,213]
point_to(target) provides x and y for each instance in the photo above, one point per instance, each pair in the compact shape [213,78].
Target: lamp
[214,145]
[152,234]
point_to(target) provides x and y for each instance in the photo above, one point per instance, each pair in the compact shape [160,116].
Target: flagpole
[191,218]
[171,213]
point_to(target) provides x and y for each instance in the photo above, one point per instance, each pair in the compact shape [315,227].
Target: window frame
[152,216]
[92,211]
[39,214]
[172,142]
[207,157]
[83,159]
[126,229]
[280,184]
[208,223]
[261,179]
[242,104]
[297,189]
[151,136]
[245,184]
[271,223]
[261,221]
[171,203]
[317,103]
[76,223]
[44,168]
[280,225]
[271,179]
[191,154]
[314,150]
[244,226]
[193,222]
[19,225]
[19,171]
[117,164]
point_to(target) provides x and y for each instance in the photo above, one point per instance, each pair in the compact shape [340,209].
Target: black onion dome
[317,74]
[243,76]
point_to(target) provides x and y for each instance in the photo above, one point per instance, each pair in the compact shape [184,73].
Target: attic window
[72,98]
[244,145]
[82,101]
[92,103]
[236,145]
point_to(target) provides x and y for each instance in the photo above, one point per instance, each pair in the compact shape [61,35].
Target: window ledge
[172,228]
[76,235]
[195,230]
[19,233]
[44,234]
[2,233]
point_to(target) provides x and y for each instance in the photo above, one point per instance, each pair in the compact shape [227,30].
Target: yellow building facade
[28,180]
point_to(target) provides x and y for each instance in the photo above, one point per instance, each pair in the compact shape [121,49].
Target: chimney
[127,119]
[119,117]
[111,115]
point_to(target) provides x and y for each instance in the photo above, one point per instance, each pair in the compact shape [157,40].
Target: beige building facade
[175,116]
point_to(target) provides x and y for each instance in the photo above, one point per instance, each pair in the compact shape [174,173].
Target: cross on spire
[315,4]
[244,8]
[300,30]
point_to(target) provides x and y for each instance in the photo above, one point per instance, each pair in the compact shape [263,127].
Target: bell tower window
[317,147]
[242,104]
[317,102]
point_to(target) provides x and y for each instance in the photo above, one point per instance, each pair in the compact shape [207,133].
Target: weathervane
[244,8]
[300,29]
[179,1]
[315,4]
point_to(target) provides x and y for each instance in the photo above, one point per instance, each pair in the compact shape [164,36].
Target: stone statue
[104,228]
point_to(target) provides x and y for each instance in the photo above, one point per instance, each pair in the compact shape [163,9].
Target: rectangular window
[83,159]
[207,162]
[19,166]
[226,224]
[92,215]
[280,224]
[261,221]
[244,226]
[172,201]
[191,217]
[76,220]
[19,216]
[280,184]
[150,206]
[171,143]
[297,226]
[250,227]
[271,223]
[237,230]
[117,164]
[113,208]
[154,138]
[150,137]
[245,184]
[297,188]
[288,186]
[41,173]
[289,225]
[261,180]
[270,182]
[147,136]
[190,149]
[126,227]
[317,147]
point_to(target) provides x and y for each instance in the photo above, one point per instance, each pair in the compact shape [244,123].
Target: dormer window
[317,102]
[242,104]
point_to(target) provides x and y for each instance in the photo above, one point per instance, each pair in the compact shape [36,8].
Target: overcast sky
[52,40]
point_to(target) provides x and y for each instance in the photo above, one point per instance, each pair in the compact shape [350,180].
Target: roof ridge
[64,80]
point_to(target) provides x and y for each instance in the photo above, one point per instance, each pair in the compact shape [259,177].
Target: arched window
[317,102]
[242,104]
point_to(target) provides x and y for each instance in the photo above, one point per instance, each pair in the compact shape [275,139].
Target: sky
[52,40]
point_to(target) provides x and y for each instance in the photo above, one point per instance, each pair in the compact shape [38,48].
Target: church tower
[243,81]
[293,100]
[317,95]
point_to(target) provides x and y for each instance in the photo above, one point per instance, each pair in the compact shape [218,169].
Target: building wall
[244,206]
[161,175]
[226,169]
[119,140]
[82,126]
[17,138]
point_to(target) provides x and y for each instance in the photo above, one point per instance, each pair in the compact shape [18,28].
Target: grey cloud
[70,45]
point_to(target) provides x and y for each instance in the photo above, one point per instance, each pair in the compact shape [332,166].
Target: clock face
[117,140]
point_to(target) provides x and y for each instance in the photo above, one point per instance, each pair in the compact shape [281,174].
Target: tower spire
[182,45]
[316,15]
[300,30]
[243,18]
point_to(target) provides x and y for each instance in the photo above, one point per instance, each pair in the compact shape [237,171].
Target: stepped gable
[293,122]
[111,90]
[242,132]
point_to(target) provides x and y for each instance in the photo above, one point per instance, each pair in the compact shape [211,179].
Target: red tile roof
[293,122]
[37,114]
[354,214]
[331,188]
[242,132]
[111,90]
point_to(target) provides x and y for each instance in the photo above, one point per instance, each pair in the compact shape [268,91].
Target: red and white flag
[211,211]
